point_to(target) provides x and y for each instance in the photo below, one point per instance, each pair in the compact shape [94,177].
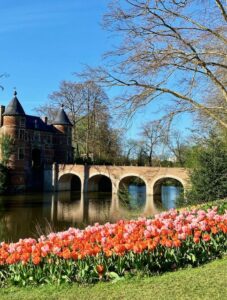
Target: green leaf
[114,276]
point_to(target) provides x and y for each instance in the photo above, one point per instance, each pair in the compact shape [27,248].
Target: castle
[36,144]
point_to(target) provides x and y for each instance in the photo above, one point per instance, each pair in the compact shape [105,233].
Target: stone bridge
[67,177]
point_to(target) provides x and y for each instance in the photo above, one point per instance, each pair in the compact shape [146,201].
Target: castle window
[36,124]
[21,134]
[22,122]
[36,136]
[48,139]
[21,153]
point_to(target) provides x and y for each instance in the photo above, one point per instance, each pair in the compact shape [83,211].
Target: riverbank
[205,282]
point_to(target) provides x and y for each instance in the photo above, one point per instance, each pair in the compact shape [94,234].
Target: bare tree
[178,147]
[153,135]
[87,106]
[71,95]
[173,50]
[3,75]
[130,150]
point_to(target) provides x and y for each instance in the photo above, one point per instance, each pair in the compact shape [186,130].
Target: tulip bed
[169,241]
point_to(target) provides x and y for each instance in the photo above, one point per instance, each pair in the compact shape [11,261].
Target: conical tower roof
[14,108]
[62,118]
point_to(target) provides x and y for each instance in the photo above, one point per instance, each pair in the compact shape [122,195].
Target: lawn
[205,282]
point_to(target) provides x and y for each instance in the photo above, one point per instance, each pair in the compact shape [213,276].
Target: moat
[31,215]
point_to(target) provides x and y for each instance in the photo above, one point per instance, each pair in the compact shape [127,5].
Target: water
[169,196]
[30,215]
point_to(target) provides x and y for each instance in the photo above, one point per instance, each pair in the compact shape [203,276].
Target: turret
[64,153]
[13,125]
[62,122]
[14,114]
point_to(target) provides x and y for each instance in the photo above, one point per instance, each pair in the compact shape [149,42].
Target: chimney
[2,110]
[45,119]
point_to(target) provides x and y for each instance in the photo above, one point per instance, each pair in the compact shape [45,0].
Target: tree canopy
[87,106]
[209,174]
[170,48]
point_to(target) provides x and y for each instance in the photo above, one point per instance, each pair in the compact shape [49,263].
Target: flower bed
[169,241]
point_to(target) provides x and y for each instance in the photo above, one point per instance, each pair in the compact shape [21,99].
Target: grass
[205,282]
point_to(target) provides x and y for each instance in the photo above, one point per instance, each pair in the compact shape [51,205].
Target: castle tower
[64,149]
[36,144]
[13,124]
[14,114]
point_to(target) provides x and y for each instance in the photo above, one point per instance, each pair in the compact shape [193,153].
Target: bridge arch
[126,179]
[158,182]
[168,176]
[132,189]
[100,182]
[115,173]
[69,182]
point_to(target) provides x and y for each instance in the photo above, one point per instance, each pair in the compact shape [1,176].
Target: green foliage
[206,282]
[4,178]
[166,163]
[191,156]
[171,182]
[98,144]
[209,175]
[6,144]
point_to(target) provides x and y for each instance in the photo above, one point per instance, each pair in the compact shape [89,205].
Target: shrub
[209,175]
[4,178]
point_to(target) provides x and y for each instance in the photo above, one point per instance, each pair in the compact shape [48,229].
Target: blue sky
[45,41]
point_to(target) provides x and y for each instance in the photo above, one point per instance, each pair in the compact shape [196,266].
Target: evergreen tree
[209,176]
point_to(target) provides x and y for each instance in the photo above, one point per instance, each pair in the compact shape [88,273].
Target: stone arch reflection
[166,190]
[67,208]
[81,209]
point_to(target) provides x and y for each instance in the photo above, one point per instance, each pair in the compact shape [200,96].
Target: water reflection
[35,214]
[169,196]
[138,196]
